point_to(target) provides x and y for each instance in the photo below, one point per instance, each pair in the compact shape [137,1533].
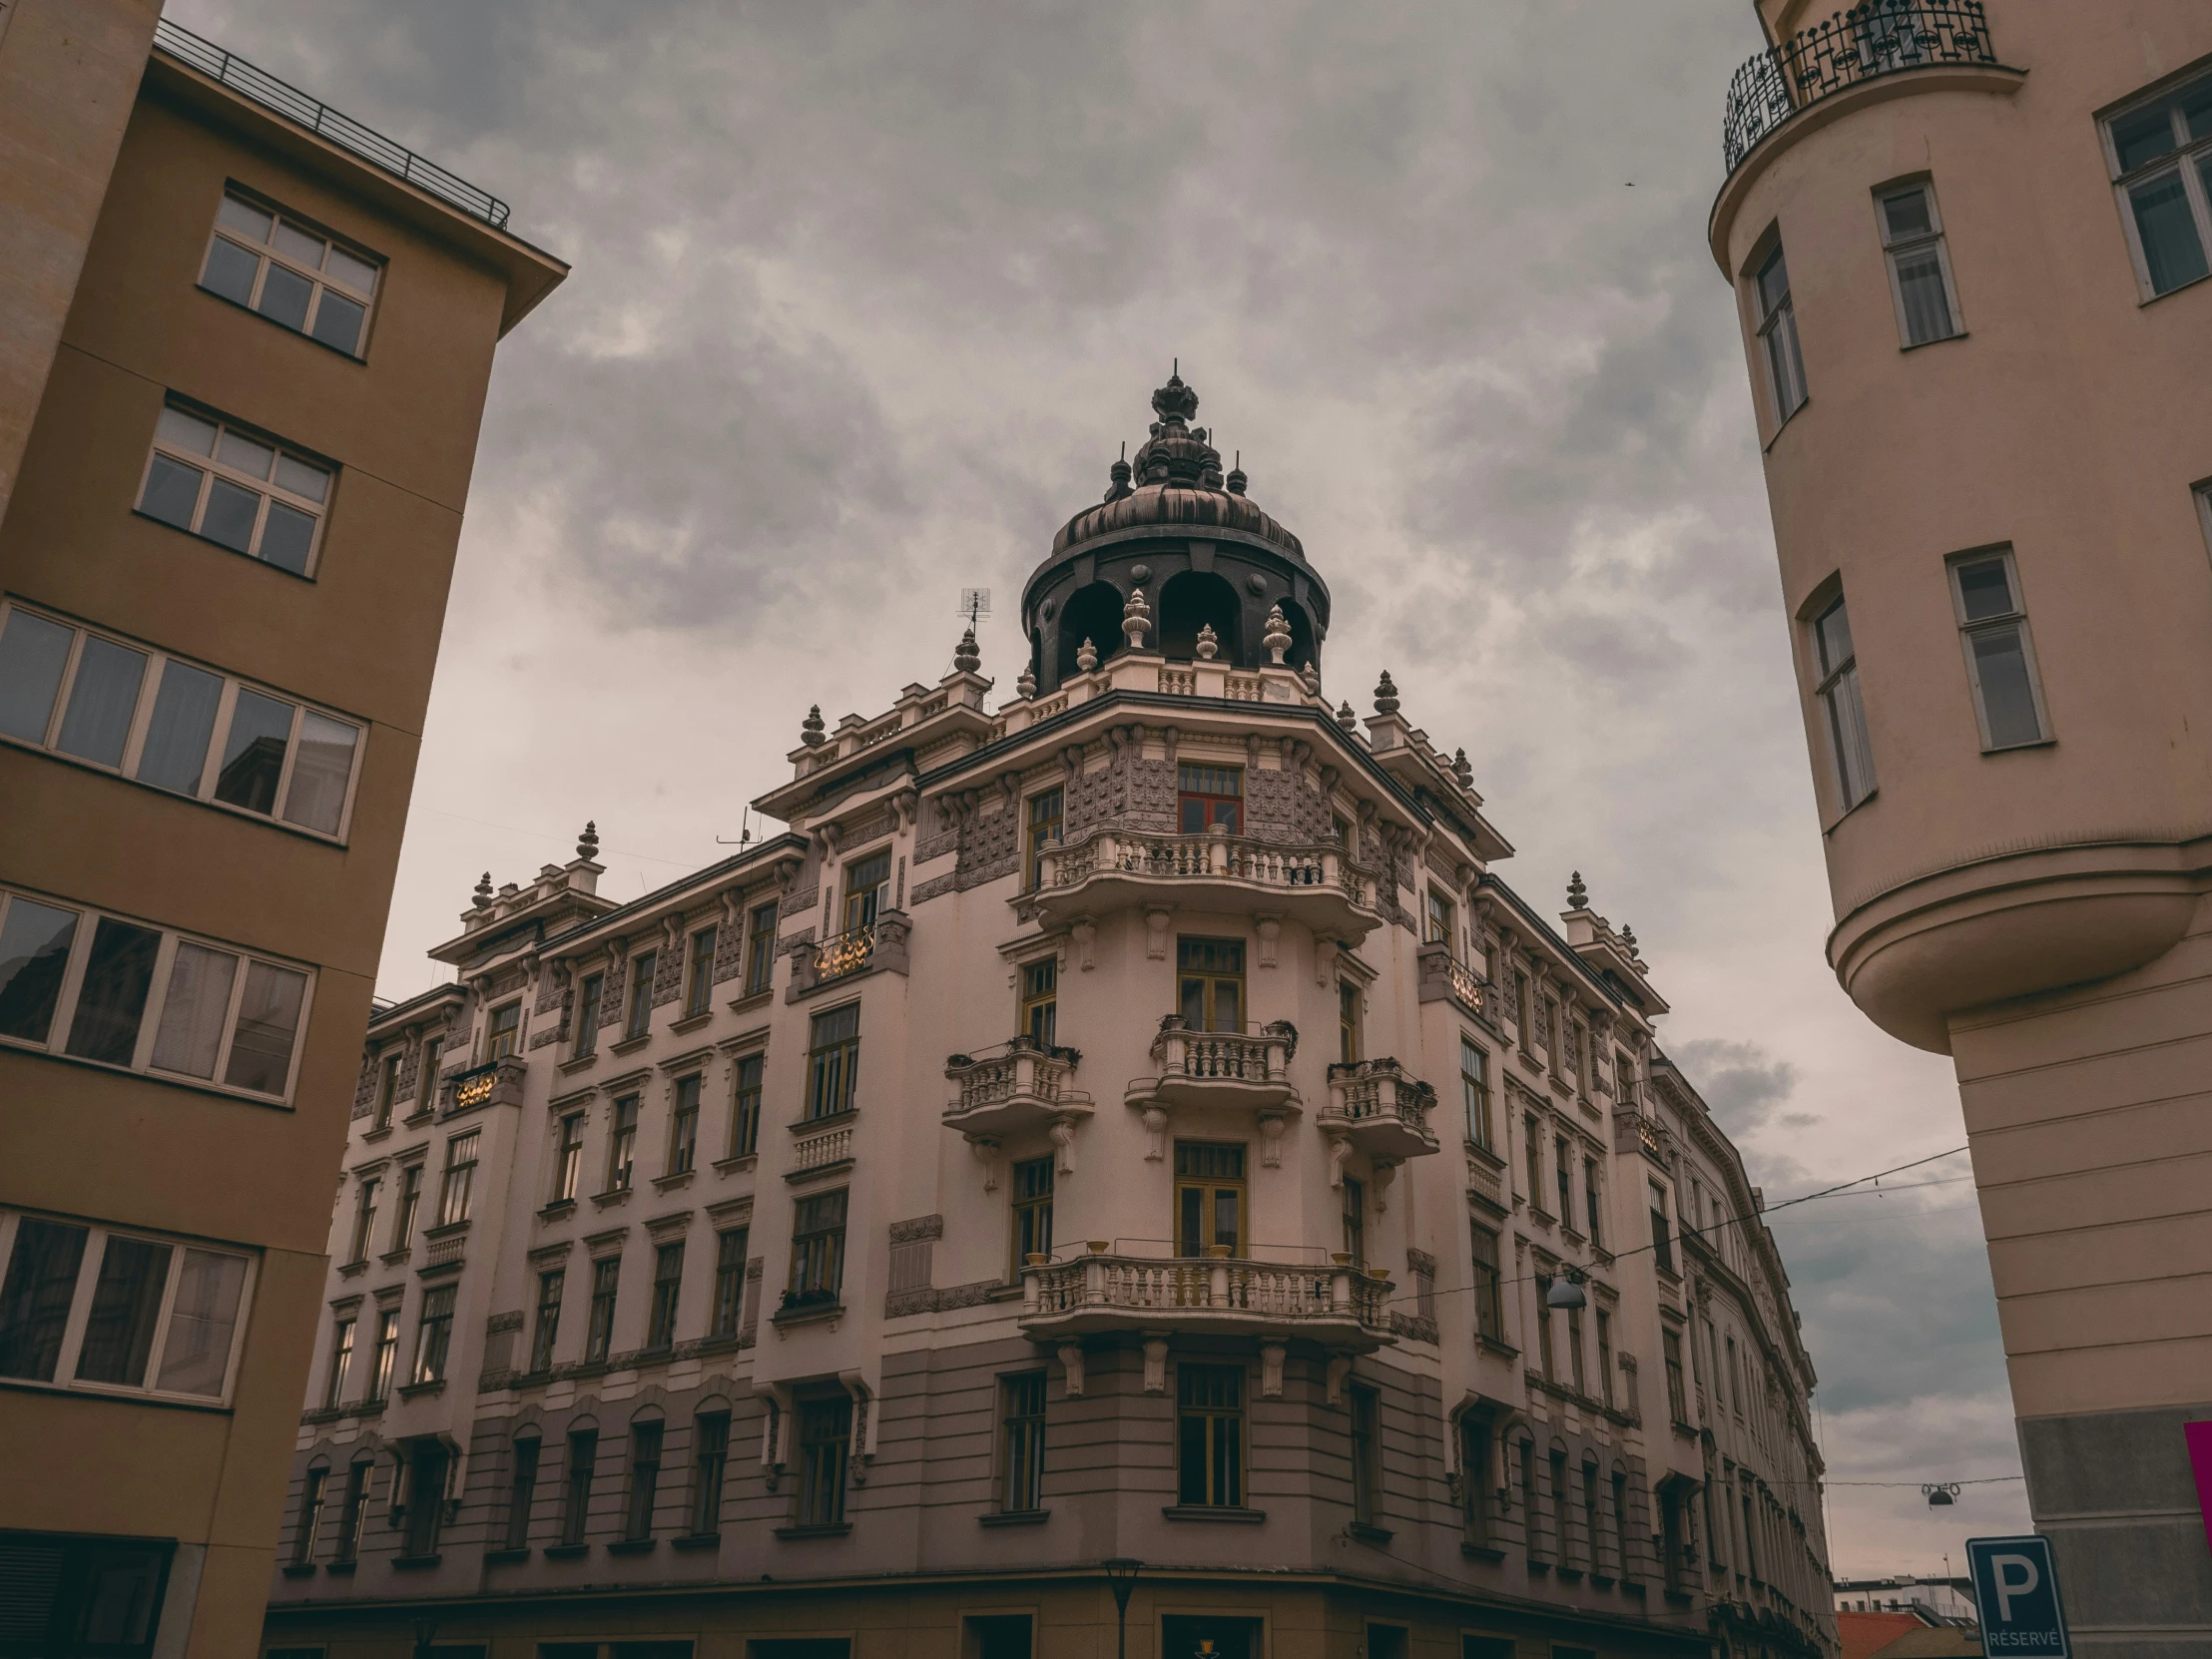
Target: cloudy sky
[866,295]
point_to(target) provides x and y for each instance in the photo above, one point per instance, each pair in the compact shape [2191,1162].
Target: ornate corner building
[1133,1124]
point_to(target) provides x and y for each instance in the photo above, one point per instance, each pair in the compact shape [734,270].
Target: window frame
[636,995]
[2013,619]
[1030,1184]
[622,1143]
[667,1295]
[710,1471]
[1038,1016]
[2189,159]
[864,899]
[344,1326]
[545,1328]
[1210,982]
[727,1317]
[748,1092]
[698,970]
[433,1335]
[1349,1023]
[1897,245]
[824,1458]
[457,1179]
[1043,825]
[1209,801]
[266,490]
[1209,1186]
[817,1250]
[157,660]
[268,253]
[568,1157]
[503,1026]
[688,1101]
[1831,682]
[1487,1280]
[647,1441]
[384,1353]
[1021,1442]
[1223,1473]
[606,1295]
[1769,324]
[832,1064]
[591,1004]
[759,950]
[1364,1439]
[1474,1093]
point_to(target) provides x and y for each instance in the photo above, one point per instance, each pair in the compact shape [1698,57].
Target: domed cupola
[1206,555]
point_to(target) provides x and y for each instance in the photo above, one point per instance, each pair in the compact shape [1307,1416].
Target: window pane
[1834,629]
[102,700]
[1927,306]
[193,1013]
[1773,283]
[35,1296]
[172,491]
[337,321]
[229,270]
[1907,215]
[2196,109]
[1847,716]
[111,1000]
[2000,664]
[248,455]
[303,245]
[302,478]
[244,216]
[32,653]
[231,509]
[319,773]
[1986,590]
[2170,246]
[2143,137]
[177,737]
[181,429]
[269,1020]
[198,1349]
[356,274]
[254,752]
[34,950]
[286,538]
[118,1336]
[285,296]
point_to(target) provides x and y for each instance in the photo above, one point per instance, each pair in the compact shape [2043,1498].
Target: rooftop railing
[1880,37]
[342,129]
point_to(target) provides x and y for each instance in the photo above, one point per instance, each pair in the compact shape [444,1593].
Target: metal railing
[1878,38]
[1265,1290]
[317,117]
[843,953]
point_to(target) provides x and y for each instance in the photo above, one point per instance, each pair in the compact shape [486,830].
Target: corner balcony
[1219,1068]
[1337,1304]
[880,947]
[1027,1088]
[1375,1108]
[1315,884]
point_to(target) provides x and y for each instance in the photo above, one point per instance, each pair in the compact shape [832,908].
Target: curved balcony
[1337,1304]
[1219,1068]
[1028,1087]
[1375,1108]
[1314,885]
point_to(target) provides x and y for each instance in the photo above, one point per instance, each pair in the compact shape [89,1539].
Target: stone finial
[1578,895]
[1086,656]
[1462,769]
[1312,675]
[968,657]
[1136,619]
[482,895]
[1347,719]
[587,844]
[1237,478]
[1025,683]
[1118,474]
[1628,938]
[1385,694]
[1208,644]
[810,729]
[1277,638]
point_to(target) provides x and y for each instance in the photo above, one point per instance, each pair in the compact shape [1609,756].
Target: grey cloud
[1743,1084]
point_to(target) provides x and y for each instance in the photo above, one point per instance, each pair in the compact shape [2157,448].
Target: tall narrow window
[1356,1222]
[352,1508]
[622,1145]
[1207,797]
[568,1159]
[1920,264]
[1046,815]
[311,1489]
[1210,1436]
[457,1188]
[1022,1444]
[1210,983]
[1208,1197]
[1474,1092]
[668,1289]
[1489,1299]
[583,1459]
[1532,1154]
[699,973]
[1592,1529]
[1521,1016]
[1437,924]
[387,1089]
[1032,1211]
[1366,1453]
[365,1217]
[833,1061]
[2161,158]
[818,1247]
[1592,1211]
[434,1334]
[638,1017]
[426,1082]
[35,946]
[410,1206]
[683,1125]
[430,1464]
[824,1442]
[547,1329]
[710,1467]
[729,1249]
[523,1491]
[1562,1162]
[590,997]
[1662,1235]
[759,950]
[644,1478]
[1348,1021]
[1547,1360]
[385,1358]
[1777,337]
[505,1029]
[1575,1364]
[1605,1355]
[1843,711]
[1475,1478]
[868,889]
[1678,1405]
[2000,658]
[1041,1002]
[342,1360]
[745,1117]
[599,1333]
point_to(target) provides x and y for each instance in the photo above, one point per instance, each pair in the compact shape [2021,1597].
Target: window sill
[557,1209]
[285,328]
[1476,1149]
[341,1569]
[1481,1553]
[1493,1345]
[752,1000]
[367,1408]
[2179,287]
[606,1200]
[382,1132]
[1014,1518]
[697,1541]
[829,1120]
[738,1165]
[1567,1575]
[630,1045]
[1369,1533]
[2015,747]
[352,1270]
[840,1165]
[633,1546]
[671,1183]
[1830,826]
[566,1552]
[1783,425]
[416,1120]
[1939,339]
[299,1569]
[828,1311]
[239,1097]
[396,1258]
[416,1563]
[422,1390]
[579,1062]
[1205,1512]
[829,1529]
[504,1557]
[692,1022]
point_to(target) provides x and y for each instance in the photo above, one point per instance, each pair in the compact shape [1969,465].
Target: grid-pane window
[583,1459]
[824,1442]
[1032,1211]
[591,997]
[1210,1436]
[1438,925]
[1778,335]
[1489,1299]
[1348,1021]
[622,1145]
[818,1247]
[1920,264]
[1474,1092]
[2000,657]
[1843,711]
[342,1360]
[1041,1002]
[668,1288]
[1208,1197]
[833,1061]
[1209,976]
[384,1360]
[868,889]
[568,1159]
[699,973]
[638,1011]
[1044,814]
[759,950]
[502,1032]
[1021,1442]
[547,1328]
[434,1334]
[291,273]
[2162,169]
[644,1478]
[1365,1452]
[745,1122]
[729,1249]
[710,1468]
[365,1217]
[599,1332]
[1207,797]
[227,485]
[457,1188]
[682,1128]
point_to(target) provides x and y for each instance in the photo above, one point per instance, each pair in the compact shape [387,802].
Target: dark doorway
[1386,1641]
[998,1635]
[1194,600]
[1232,1638]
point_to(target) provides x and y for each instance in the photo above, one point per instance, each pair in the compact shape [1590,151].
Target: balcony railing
[494,1083]
[843,953]
[1235,858]
[1381,1109]
[817,1151]
[1878,38]
[1025,1071]
[1102,1290]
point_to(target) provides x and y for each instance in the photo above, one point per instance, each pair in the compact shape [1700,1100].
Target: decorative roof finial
[1136,619]
[810,729]
[1118,475]
[1311,673]
[1462,769]
[1175,402]
[1578,895]
[482,895]
[1347,719]
[1385,694]
[1025,683]
[966,657]
[1208,644]
[1086,656]
[1628,938]
[587,844]
[1237,475]
[1277,638]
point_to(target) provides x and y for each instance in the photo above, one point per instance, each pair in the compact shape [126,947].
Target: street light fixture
[1942,1497]
[1121,1578]
[1566,1290]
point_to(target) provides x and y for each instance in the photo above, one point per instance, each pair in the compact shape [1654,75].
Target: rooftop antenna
[974,603]
[744,832]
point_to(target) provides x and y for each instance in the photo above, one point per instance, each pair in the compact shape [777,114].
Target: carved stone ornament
[1086,656]
[1277,638]
[1155,1365]
[1208,644]
[1071,1364]
[1270,1369]
[1136,619]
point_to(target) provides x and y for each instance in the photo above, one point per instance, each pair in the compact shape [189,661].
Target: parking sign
[2018,1592]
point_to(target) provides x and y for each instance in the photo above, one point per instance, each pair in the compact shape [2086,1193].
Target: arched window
[1092,613]
[523,1488]
[1191,602]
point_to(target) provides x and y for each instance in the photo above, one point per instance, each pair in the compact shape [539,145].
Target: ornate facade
[1132,1124]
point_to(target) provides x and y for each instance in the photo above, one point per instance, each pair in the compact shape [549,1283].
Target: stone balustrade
[1379,1109]
[1102,1291]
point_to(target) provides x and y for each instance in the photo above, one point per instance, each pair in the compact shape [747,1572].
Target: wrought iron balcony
[880,943]
[1338,1304]
[1880,37]
[1028,1087]
[1219,1068]
[1443,977]
[494,1083]
[1375,1108]
[1313,884]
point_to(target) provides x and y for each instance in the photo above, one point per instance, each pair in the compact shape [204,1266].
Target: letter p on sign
[2016,1576]
[2018,1592]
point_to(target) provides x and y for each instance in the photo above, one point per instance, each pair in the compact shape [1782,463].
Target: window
[1735,1378]
[351,1509]
[1532,1153]
[426,1085]
[1364,1454]
[568,1159]
[1436,925]
[818,1247]
[1777,337]
[1521,1025]
[590,997]
[502,1031]
[1662,1237]
[547,1329]
[272,264]
[1047,811]
[84,1307]
[1348,1022]
[1209,796]
[637,1018]
[729,1249]
[1356,1222]
[745,1122]
[622,1145]
[1032,1211]
[759,950]
[1920,264]
[1208,1197]
[583,1455]
[644,1478]
[1474,1092]
[1209,1435]
[1605,1355]
[1021,1442]
[434,1334]
[825,1439]
[365,1217]
[387,1090]
[1562,1169]
[147,998]
[456,1191]
[430,1465]
[833,1061]
[342,1360]
[384,1361]
[1548,1361]
[868,889]
[251,494]
[683,1132]
[599,1333]
[1210,983]
[667,1287]
[1592,1530]
[1041,1002]
[1490,1297]
[711,1464]
[2000,658]
[1475,1480]
[1841,709]
[699,973]
[1678,1405]
[72,1597]
[2161,158]
[1576,1368]
[410,1201]
[522,1490]
[1592,1211]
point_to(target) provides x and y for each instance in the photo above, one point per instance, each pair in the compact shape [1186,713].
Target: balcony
[1027,1088]
[1373,1107]
[1219,1068]
[1442,977]
[1110,868]
[880,946]
[494,1083]
[1336,1305]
